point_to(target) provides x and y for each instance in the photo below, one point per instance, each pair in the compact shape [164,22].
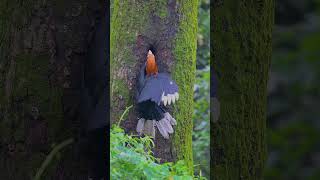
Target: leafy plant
[132,158]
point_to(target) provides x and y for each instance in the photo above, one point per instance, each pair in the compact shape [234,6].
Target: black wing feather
[155,86]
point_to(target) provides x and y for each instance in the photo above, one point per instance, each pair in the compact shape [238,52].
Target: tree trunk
[169,28]
[241,37]
[43,46]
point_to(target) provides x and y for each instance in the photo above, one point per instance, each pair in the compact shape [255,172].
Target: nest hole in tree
[160,48]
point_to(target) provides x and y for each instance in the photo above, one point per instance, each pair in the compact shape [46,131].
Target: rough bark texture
[169,28]
[42,48]
[241,50]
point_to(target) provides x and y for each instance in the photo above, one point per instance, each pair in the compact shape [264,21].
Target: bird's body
[156,91]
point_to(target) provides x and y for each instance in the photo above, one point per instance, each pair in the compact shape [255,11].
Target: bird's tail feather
[162,129]
[164,126]
[170,119]
[167,125]
[140,125]
[149,128]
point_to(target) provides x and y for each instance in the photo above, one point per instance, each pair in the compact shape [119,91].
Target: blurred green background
[201,128]
[294,92]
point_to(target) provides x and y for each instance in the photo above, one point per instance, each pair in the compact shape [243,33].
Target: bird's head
[151,60]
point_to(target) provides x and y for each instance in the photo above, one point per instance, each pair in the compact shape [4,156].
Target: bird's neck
[151,68]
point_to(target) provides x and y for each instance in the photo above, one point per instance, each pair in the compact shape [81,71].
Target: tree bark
[169,28]
[43,46]
[241,37]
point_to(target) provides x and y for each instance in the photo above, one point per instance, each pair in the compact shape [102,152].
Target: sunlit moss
[184,74]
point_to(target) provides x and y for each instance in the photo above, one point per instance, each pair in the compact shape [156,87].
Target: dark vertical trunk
[43,49]
[241,37]
[169,28]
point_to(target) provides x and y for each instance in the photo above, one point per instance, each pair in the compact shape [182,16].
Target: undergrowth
[132,158]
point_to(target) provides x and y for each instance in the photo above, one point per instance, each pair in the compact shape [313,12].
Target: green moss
[161,9]
[163,13]
[121,95]
[4,43]
[31,88]
[31,81]
[2,92]
[15,12]
[13,15]
[184,74]
[242,54]
[31,84]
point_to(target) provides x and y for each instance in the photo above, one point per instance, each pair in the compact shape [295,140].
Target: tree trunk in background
[43,45]
[242,32]
[170,28]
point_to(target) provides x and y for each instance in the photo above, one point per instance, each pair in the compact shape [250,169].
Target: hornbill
[155,91]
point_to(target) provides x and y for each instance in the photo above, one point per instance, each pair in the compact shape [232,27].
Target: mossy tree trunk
[241,49]
[43,45]
[169,27]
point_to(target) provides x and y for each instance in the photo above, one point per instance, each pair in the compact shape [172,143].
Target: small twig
[125,112]
[49,158]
